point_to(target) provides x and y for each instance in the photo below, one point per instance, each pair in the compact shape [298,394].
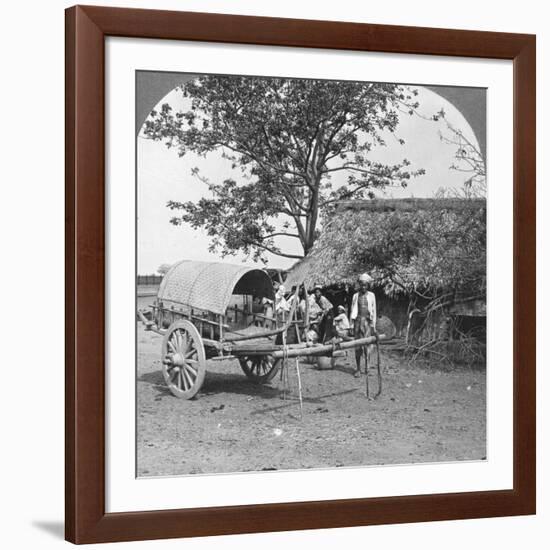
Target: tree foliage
[163,269]
[286,138]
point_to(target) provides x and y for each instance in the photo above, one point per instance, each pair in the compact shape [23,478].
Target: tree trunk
[311,220]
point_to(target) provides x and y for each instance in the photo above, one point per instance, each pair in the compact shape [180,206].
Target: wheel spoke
[184,342]
[175,341]
[179,337]
[177,379]
[191,369]
[188,379]
[172,346]
[183,380]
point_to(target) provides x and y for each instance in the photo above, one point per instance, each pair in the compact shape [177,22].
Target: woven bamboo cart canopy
[209,285]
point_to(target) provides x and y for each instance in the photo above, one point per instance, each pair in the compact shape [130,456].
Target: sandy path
[423,415]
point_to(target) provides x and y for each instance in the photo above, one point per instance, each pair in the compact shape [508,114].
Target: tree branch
[274,251]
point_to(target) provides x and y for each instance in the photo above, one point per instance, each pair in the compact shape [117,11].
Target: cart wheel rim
[183,359]
[260,368]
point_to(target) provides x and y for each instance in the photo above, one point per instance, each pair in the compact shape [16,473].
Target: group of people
[323,319]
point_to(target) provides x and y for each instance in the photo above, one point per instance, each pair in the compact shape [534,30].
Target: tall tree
[287,138]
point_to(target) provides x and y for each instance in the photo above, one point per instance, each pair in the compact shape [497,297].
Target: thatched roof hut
[404,244]
[420,252]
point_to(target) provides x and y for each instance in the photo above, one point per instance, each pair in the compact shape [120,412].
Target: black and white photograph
[289,263]
[311,279]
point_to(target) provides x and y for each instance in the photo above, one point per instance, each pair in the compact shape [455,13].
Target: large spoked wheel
[183,359]
[260,368]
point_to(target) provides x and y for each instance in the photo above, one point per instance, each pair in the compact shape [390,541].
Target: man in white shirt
[363,317]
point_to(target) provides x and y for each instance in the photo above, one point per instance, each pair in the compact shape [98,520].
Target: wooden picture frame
[86,30]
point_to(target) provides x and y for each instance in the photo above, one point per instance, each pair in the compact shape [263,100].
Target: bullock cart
[209,311]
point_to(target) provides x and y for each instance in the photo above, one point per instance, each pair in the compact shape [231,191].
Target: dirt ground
[425,414]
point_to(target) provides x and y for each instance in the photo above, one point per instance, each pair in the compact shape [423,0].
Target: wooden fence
[149,279]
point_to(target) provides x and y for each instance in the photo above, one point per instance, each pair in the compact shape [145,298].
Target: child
[341,322]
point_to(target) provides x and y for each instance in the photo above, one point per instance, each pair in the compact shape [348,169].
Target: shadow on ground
[292,399]
[217,383]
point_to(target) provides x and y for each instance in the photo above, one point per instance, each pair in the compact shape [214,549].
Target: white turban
[365,278]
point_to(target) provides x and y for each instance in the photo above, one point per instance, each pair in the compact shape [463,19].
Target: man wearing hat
[363,317]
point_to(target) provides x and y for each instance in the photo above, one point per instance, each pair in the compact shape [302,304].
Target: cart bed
[251,330]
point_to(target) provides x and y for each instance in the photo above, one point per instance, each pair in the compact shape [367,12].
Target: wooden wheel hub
[177,360]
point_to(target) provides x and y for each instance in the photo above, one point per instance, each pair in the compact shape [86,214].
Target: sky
[162,176]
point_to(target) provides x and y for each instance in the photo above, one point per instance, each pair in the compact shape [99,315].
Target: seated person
[314,310]
[341,323]
[321,300]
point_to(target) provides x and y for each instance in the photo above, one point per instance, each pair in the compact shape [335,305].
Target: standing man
[363,317]
[326,311]
[268,307]
[282,306]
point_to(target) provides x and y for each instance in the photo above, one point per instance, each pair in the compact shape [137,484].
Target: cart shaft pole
[325,349]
